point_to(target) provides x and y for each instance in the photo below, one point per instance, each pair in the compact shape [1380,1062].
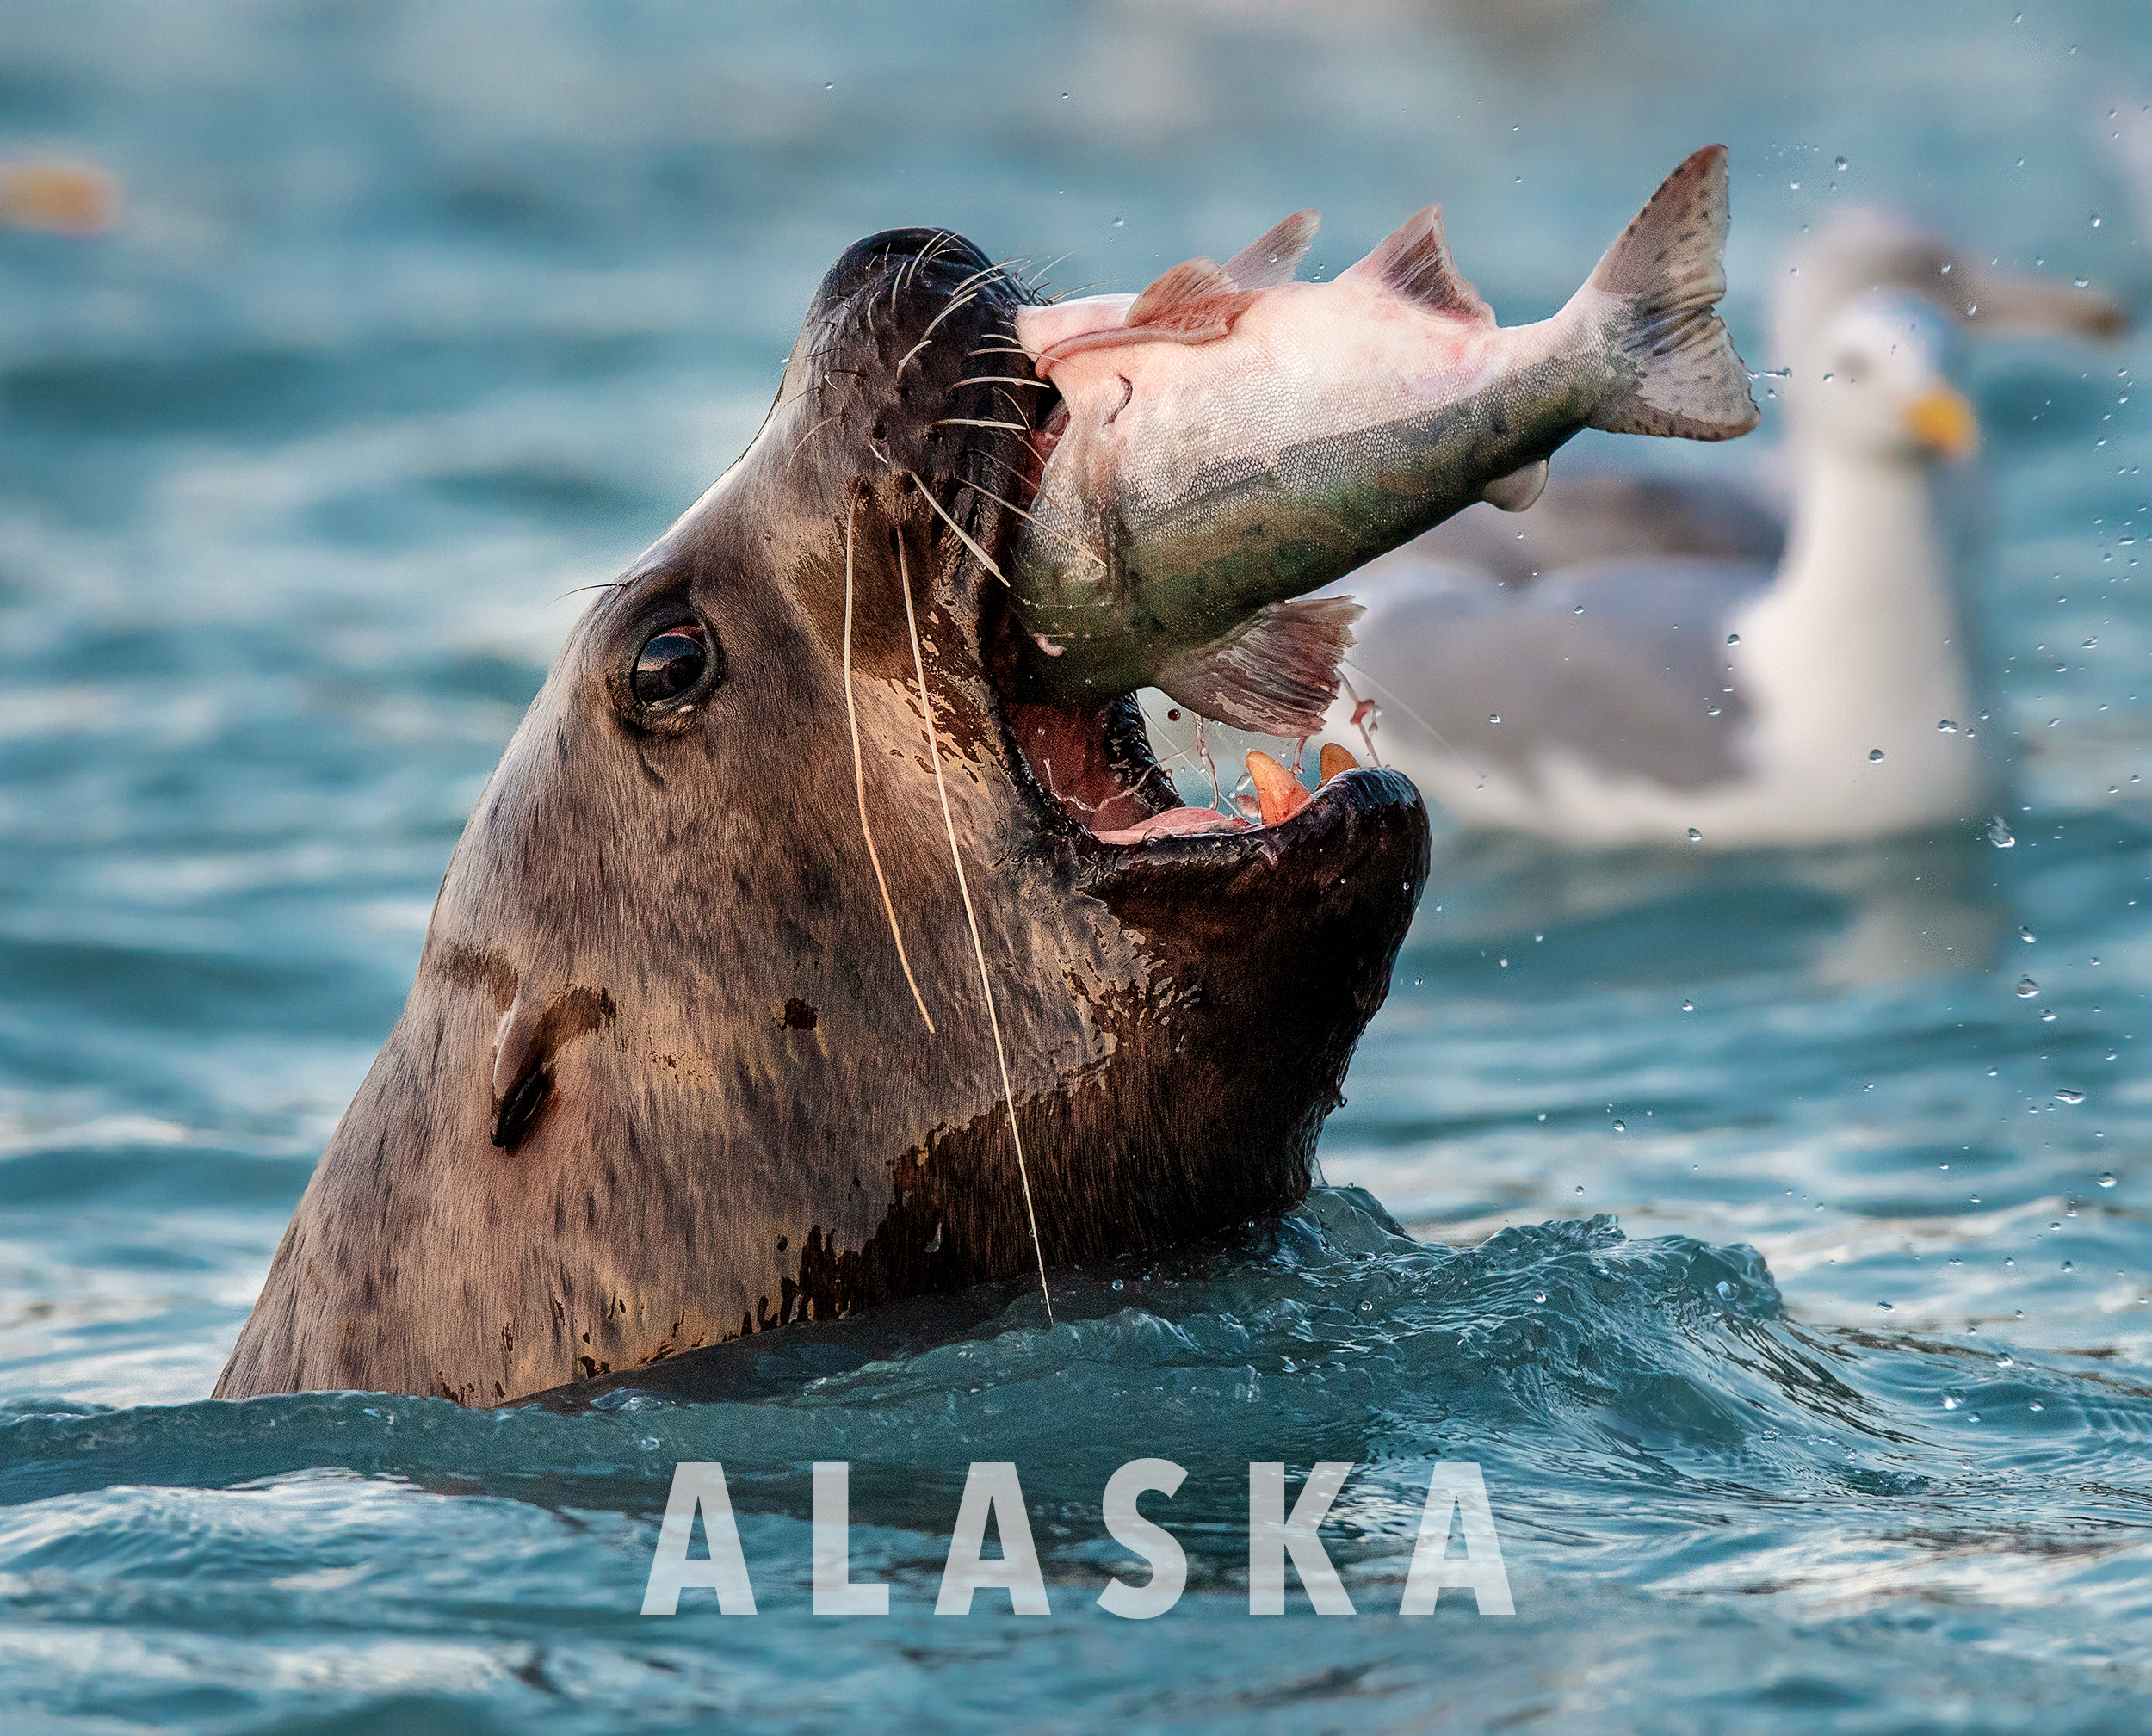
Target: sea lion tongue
[694,1050]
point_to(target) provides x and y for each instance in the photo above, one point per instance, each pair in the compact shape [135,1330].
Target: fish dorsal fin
[1415,262]
[1194,301]
[1273,258]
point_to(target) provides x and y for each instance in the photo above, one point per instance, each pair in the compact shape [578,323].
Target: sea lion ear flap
[522,1073]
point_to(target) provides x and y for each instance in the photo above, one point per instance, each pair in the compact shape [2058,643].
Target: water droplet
[1367,1307]
[2106,1181]
[1619,1127]
[1725,1290]
[1539,1295]
[1495,717]
[2006,1362]
[1733,638]
[1120,222]
[2068,1266]
[2048,1017]
[1999,833]
[1945,727]
[829,85]
[1949,1404]
[2027,988]
[1885,1307]
[2095,215]
[1688,1006]
[2036,1406]
[1795,186]
[2069,1094]
[1875,755]
[1840,165]
[2026,935]
[1695,836]
[1579,609]
[2092,644]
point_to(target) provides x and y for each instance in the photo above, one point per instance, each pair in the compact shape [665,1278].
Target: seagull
[1677,661]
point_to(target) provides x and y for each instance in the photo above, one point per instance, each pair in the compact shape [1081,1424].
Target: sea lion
[700,1043]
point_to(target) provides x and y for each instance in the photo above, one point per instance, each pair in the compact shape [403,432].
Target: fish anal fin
[1276,675]
[1519,490]
[1271,259]
[1414,261]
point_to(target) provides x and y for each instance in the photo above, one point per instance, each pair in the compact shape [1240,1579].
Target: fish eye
[671,663]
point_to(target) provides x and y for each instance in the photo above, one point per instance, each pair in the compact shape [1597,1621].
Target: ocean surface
[1772,1229]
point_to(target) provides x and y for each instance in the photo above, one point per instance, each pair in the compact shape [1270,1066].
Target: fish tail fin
[1669,270]
[1277,675]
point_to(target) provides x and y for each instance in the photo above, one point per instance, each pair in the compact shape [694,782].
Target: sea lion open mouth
[787,913]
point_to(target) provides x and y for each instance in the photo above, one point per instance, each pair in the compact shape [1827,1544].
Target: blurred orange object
[68,198]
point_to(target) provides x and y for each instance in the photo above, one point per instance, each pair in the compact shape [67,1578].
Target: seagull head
[1876,382]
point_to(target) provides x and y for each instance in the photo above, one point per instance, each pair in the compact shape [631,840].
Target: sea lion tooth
[1282,795]
[1334,759]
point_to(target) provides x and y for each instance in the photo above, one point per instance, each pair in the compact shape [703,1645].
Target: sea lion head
[750,971]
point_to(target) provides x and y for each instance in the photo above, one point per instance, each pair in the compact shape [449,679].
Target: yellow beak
[1942,420]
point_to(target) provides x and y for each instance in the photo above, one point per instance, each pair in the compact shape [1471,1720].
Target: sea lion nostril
[671,664]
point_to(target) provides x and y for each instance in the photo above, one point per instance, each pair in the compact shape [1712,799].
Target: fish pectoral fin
[1414,261]
[1668,271]
[1193,302]
[1517,491]
[1272,259]
[1276,675]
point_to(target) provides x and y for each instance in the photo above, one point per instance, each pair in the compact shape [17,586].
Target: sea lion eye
[671,663]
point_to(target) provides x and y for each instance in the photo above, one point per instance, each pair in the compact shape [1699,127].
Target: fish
[1230,440]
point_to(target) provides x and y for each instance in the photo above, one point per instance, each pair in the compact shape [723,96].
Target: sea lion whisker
[925,255]
[811,433]
[1038,493]
[974,421]
[971,482]
[997,380]
[978,946]
[985,275]
[1039,277]
[927,336]
[1005,349]
[859,779]
[962,536]
[1076,289]
[1441,739]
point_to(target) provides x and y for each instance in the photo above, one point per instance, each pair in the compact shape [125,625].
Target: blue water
[1730,1217]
